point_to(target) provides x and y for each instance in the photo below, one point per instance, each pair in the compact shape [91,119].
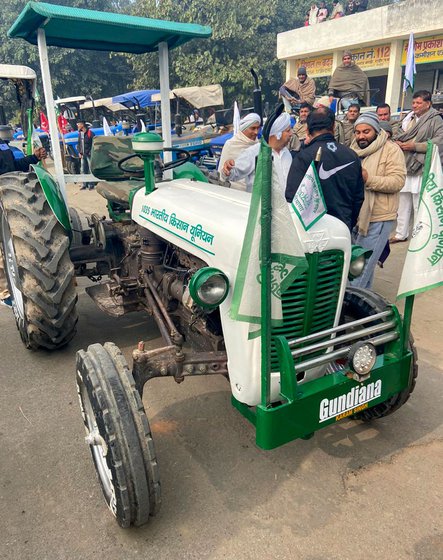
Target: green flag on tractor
[287,256]
[423,268]
[309,203]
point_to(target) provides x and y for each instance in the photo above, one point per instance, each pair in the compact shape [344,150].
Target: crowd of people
[371,166]
[320,12]
[370,169]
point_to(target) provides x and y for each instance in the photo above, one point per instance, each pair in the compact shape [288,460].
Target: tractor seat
[107,151]
[118,191]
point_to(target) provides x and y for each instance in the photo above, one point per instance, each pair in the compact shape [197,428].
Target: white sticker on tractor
[350,403]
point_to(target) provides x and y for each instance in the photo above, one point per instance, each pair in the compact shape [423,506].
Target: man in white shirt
[244,166]
[423,123]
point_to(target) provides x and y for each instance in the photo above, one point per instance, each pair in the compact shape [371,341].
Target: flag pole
[266,260]
[407,319]
[403,95]
[265,270]
[410,71]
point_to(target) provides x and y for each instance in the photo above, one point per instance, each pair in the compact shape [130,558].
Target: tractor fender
[54,196]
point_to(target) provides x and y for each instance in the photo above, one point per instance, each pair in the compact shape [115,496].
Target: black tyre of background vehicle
[359,303]
[39,272]
[119,435]
[72,165]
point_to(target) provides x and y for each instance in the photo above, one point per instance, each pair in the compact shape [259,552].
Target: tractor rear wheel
[119,435]
[39,272]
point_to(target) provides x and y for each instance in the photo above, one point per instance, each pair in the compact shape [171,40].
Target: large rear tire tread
[45,272]
[360,303]
[104,378]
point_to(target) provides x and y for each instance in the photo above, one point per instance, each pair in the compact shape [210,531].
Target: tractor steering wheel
[163,167]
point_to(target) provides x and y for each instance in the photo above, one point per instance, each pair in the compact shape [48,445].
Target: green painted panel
[317,399]
[54,196]
[310,304]
[79,28]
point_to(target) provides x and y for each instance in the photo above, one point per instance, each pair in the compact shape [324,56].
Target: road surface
[355,490]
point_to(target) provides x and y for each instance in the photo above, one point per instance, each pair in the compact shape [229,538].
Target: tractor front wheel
[118,434]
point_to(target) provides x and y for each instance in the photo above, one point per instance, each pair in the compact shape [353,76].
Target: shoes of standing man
[394,240]
[7,302]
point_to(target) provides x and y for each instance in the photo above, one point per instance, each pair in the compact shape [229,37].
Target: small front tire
[119,435]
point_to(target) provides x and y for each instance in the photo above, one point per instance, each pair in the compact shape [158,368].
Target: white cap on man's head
[248,120]
[281,123]
[322,102]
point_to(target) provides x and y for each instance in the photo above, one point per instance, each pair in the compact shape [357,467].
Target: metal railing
[385,331]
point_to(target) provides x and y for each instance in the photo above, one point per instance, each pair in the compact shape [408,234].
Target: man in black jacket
[84,148]
[339,170]
[9,164]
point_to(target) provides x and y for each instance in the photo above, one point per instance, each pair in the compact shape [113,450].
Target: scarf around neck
[370,159]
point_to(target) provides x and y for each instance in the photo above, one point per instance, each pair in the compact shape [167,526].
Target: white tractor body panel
[209,222]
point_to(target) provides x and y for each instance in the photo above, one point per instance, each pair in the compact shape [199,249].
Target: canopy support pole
[49,102]
[163,60]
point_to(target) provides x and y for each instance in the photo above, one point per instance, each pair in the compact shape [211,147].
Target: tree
[244,37]
[73,72]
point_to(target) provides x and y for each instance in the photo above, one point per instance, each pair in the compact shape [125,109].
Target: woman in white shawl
[244,138]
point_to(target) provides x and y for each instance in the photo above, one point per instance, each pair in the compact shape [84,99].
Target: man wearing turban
[244,138]
[244,166]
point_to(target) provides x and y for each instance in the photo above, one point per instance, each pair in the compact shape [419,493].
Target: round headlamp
[362,357]
[209,287]
[358,261]
[356,267]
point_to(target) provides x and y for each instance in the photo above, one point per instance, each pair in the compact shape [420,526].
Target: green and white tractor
[172,247]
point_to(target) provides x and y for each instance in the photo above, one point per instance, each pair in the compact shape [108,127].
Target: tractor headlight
[209,287]
[358,261]
[362,357]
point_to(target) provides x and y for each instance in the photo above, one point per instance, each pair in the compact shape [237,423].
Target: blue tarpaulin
[141,98]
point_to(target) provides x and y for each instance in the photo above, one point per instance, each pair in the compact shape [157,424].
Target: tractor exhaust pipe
[258,103]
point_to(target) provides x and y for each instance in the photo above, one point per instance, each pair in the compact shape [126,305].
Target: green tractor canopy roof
[101,31]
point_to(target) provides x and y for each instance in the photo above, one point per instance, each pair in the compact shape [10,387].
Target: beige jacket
[385,163]
[299,132]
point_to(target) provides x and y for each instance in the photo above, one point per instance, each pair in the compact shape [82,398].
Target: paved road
[353,491]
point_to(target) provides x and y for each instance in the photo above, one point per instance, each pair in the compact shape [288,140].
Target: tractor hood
[206,220]
[209,222]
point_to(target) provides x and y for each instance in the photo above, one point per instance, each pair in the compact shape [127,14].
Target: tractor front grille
[310,303]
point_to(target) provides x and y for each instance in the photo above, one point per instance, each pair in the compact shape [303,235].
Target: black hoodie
[340,176]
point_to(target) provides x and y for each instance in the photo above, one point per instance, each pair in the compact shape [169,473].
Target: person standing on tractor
[244,166]
[349,82]
[298,90]
[8,164]
[84,147]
